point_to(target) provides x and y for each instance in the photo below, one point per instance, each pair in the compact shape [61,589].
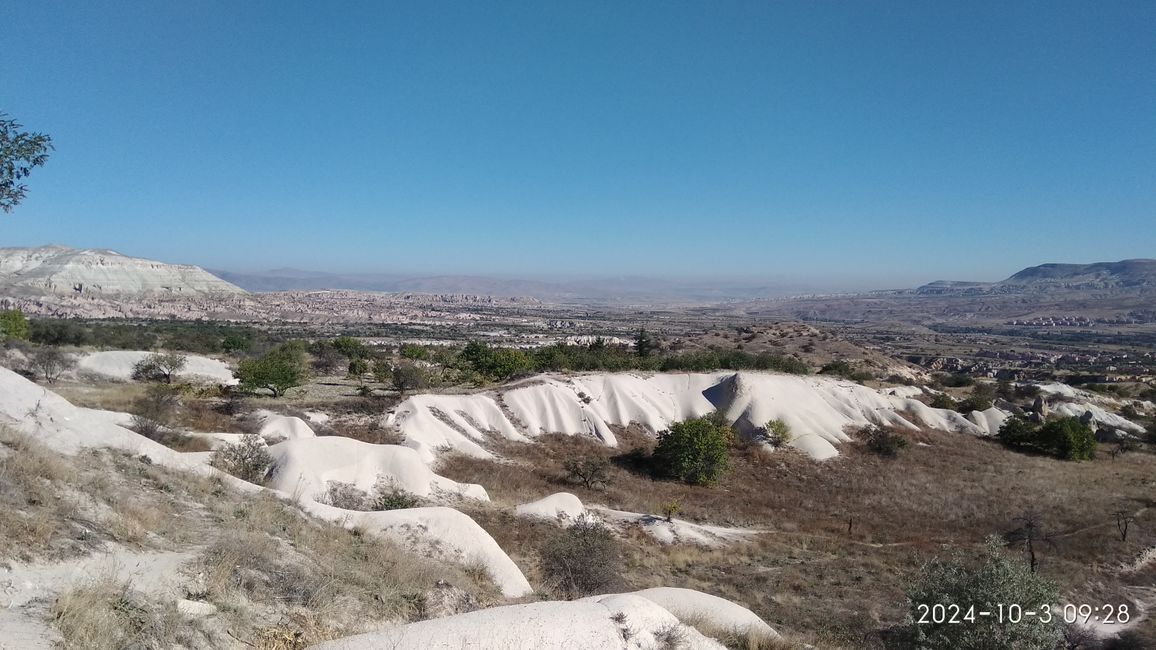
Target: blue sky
[849,143]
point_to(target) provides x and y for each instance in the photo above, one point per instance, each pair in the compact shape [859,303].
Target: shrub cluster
[1065,438]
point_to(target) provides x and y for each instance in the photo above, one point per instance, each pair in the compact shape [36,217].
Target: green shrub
[693,451]
[358,367]
[998,580]
[13,325]
[943,401]
[882,441]
[350,347]
[407,376]
[394,499]
[777,433]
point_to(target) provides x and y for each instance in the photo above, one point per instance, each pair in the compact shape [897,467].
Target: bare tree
[1124,519]
[589,471]
[51,363]
[1030,534]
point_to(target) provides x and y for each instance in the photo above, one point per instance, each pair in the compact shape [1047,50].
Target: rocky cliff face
[61,271]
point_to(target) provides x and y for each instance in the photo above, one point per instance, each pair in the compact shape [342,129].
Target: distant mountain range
[59,270]
[612,290]
[1139,274]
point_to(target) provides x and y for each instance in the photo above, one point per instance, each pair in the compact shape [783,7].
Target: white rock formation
[818,409]
[614,622]
[561,505]
[703,609]
[58,270]
[305,466]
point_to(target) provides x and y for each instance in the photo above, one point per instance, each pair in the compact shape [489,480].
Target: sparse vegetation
[50,363]
[883,441]
[107,614]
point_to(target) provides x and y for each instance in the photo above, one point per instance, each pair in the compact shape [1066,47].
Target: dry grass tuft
[104,614]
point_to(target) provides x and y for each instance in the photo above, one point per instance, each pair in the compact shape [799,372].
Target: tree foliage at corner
[693,451]
[999,579]
[277,370]
[20,152]
[13,325]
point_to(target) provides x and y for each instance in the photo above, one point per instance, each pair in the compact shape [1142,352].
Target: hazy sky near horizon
[849,144]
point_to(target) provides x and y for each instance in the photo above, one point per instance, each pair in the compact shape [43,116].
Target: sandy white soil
[588,624]
[558,506]
[305,466]
[118,364]
[692,606]
[675,531]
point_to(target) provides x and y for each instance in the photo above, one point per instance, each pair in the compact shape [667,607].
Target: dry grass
[842,535]
[105,614]
[36,518]
[269,554]
[280,579]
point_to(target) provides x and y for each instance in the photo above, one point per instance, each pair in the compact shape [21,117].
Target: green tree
[358,367]
[693,451]
[644,343]
[277,370]
[13,325]
[1065,438]
[1017,432]
[350,347]
[414,351]
[159,366]
[20,152]
[998,581]
[1068,438]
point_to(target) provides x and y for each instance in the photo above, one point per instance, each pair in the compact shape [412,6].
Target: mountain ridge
[61,270]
